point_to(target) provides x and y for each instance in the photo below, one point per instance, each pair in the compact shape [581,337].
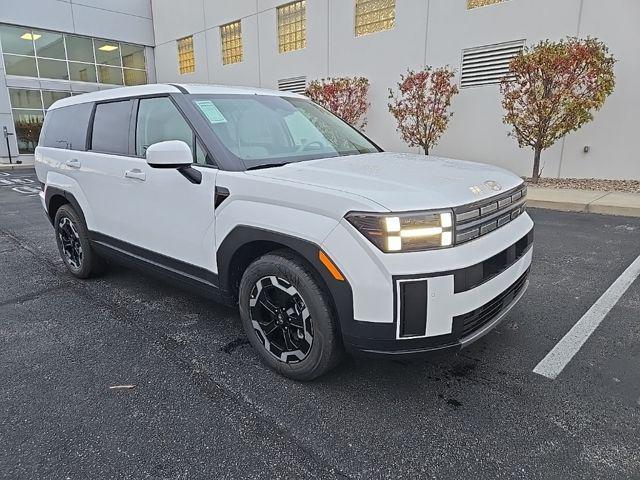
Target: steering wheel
[318,144]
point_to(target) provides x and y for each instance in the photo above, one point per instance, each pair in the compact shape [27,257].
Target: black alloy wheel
[288,316]
[70,245]
[281,319]
[74,245]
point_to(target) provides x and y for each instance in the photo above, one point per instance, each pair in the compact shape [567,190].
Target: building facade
[280,44]
[51,49]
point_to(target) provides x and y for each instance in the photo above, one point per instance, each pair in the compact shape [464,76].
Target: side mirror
[174,154]
[169,154]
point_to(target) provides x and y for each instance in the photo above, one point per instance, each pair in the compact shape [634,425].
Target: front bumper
[466,329]
[415,313]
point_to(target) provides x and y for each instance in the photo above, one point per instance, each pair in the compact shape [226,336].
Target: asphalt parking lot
[203,405]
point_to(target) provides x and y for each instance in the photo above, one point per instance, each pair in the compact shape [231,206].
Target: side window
[159,120]
[111,128]
[66,127]
[201,155]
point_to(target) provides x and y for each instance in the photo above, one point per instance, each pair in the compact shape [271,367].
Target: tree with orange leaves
[554,88]
[345,97]
[421,107]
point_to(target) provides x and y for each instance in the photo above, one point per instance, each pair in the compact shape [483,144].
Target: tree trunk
[426,149]
[536,164]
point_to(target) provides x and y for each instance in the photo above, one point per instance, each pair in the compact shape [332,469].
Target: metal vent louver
[293,84]
[489,64]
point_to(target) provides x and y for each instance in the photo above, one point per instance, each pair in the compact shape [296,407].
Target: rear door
[101,168]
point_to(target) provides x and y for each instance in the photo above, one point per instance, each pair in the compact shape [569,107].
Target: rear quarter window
[66,127]
[111,127]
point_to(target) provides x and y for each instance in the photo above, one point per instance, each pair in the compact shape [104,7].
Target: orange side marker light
[326,261]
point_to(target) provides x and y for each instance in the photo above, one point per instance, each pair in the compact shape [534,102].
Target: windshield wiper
[267,165]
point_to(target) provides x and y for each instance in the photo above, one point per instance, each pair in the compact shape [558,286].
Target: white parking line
[552,365]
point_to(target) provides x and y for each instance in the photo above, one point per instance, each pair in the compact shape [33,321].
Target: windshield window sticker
[208,108]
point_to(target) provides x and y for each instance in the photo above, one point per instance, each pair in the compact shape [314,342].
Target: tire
[74,246]
[308,329]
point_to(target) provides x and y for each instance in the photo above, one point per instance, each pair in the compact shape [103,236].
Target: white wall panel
[219,13]
[102,23]
[49,14]
[435,32]
[166,58]
[139,8]
[174,19]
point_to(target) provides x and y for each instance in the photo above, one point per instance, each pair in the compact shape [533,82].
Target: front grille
[480,218]
[474,275]
[479,317]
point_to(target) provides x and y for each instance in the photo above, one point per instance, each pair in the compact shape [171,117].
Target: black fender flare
[50,192]
[339,291]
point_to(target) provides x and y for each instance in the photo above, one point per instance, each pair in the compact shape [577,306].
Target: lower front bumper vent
[478,318]
[413,308]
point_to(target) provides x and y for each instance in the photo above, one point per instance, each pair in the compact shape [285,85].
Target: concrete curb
[7,167]
[586,201]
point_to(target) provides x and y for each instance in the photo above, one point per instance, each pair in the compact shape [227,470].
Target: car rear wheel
[75,249]
[288,317]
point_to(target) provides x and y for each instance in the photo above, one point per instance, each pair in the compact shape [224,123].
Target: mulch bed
[628,186]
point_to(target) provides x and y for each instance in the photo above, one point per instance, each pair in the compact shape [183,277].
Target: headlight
[405,232]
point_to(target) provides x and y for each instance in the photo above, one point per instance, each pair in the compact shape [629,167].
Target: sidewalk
[588,201]
[7,167]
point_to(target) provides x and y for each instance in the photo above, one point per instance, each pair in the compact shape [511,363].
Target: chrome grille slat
[492,216]
[485,216]
[467,215]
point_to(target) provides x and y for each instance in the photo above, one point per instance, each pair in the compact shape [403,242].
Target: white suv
[264,199]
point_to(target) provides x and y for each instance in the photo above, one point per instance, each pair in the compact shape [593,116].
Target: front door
[159,209]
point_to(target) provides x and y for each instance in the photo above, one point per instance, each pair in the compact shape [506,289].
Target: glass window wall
[45,54]
[60,56]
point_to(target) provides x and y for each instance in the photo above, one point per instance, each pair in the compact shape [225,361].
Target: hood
[399,181]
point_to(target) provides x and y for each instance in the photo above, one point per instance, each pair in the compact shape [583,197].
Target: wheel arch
[244,244]
[56,197]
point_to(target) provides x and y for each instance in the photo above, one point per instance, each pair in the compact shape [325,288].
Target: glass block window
[481,3]
[186,56]
[231,40]
[374,16]
[292,26]
[58,56]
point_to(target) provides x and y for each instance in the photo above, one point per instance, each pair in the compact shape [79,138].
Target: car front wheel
[288,317]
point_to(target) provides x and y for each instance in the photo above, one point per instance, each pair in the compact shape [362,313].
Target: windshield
[265,130]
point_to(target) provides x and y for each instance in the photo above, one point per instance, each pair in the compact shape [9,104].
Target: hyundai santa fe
[265,200]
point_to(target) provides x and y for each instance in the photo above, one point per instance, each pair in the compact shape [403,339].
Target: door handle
[135,173]
[73,163]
